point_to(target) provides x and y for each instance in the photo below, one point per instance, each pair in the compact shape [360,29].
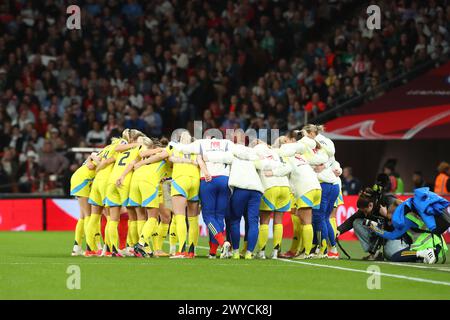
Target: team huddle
[163,186]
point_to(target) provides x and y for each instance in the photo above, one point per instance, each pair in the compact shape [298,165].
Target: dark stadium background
[160,65]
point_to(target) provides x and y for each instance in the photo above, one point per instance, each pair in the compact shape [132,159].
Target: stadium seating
[155,67]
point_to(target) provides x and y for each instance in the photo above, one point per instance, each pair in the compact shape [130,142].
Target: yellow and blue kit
[98,191]
[185,176]
[145,185]
[118,196]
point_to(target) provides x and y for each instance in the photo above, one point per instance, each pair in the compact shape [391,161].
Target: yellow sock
[181,231]
[173,233]
[107,237]
[134,235]
[244,248]
[163,228]
[263,236]
[155,237]
[147,230]
[334,225]
[98,233]
[86,226]
[194,231]
[92,231]
[113,229]
[277,235]
[324,246]
[79,231]
[296,233]
[300,246]
[307,237]
[140,225]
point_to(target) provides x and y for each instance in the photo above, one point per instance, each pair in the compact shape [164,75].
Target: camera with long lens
[379,199]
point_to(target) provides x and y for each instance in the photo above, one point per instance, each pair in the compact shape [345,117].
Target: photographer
[423,218]
[369,203]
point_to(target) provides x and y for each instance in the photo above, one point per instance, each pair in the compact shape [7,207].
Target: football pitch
[38,265]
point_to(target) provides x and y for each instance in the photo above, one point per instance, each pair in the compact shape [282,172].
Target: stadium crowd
[158,65]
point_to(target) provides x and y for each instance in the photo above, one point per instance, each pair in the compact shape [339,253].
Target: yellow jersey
[183,169]
[107,153]
[123,159]
[84,172]
[167,170]
[152,172]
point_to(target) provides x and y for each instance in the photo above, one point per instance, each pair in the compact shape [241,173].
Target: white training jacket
[270,160]
[307,148]
[218,152]
[302,155]
[302,146]
[327,175]
[303,178]
[243,173]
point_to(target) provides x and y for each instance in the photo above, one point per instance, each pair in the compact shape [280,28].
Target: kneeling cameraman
[369,203]
[424,218]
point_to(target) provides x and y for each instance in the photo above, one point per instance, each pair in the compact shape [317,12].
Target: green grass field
[33,265]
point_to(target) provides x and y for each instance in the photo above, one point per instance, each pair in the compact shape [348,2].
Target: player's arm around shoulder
[193,147]
[203,168]
[284,169]
[105,162]
[121,147]
[127,170]
[218,156]
[150,152]
[159,155]
[244,153]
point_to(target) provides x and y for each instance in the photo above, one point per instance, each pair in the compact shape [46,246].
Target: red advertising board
[21,215]
[62,214]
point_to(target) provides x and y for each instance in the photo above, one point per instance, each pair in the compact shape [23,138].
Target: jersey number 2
[126,155]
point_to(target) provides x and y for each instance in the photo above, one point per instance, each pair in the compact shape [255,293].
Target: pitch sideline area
[38,265]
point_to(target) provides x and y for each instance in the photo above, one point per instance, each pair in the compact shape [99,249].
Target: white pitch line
[364,271]
[418,266]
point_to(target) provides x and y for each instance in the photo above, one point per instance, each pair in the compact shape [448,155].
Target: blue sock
[331,236]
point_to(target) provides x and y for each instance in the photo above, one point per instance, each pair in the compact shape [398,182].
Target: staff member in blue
[246,198]
[423,218]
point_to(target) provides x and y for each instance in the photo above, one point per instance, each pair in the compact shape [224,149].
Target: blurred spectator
[5,184]
[66,178]
[315,105]
[395,181]
[419,181]
[153,120]
[9,167]
[96,137]
[293,123]
[135,121]
[52,163]
[350,184]
[16,140]
[232,122]
[28,173]
[442,181]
